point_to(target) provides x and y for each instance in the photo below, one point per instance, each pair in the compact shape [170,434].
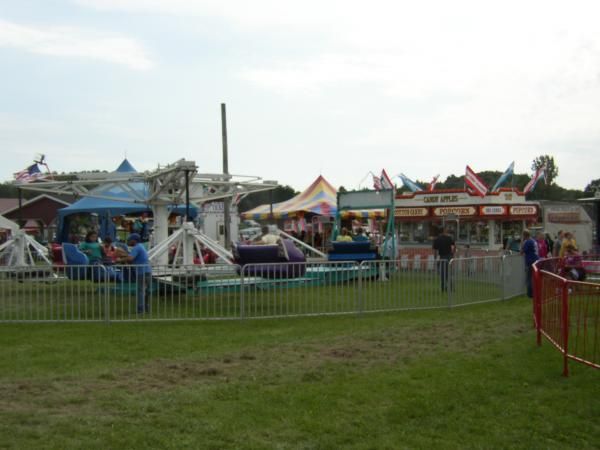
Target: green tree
[592,187]
[551,167]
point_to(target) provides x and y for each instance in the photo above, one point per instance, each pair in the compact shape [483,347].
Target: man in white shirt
[267,237]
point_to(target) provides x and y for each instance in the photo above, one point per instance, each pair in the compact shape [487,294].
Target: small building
[38,216]
[568,216]
[483,223]
[211,220]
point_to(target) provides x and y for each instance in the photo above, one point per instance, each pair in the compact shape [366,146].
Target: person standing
[568,240]
[529,250]
[549,244]
[540,239]
[557,244]
[138,257]
[444,247]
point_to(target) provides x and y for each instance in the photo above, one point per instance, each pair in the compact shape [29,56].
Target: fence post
[565,327]
[503,276]
[449,265]
[106,296]
[242,292]
[360,287]
[537,302]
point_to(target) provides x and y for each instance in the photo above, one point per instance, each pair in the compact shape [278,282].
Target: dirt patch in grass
[310,360]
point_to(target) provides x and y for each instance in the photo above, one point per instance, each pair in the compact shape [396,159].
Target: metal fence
[119,293]
[567,312]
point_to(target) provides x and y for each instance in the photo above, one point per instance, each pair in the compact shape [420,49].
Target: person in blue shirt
[138,257]
[360,236]
[529,250]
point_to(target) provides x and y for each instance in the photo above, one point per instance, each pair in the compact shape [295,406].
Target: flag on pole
[540,173]
[237,198]
[414,187]
[431,186]
[29,174]
[507,173]
[376,183]
[386,182]
[475,183]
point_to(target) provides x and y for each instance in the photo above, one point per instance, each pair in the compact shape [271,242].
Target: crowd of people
[564,247]
[134,253]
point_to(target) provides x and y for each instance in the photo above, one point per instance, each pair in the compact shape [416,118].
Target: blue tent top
[125,167]
[107,208]
[114,206]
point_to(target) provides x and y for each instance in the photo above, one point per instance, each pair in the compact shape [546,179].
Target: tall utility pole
[226,201]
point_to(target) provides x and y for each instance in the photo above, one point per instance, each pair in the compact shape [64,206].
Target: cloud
[451,82]
[71,42]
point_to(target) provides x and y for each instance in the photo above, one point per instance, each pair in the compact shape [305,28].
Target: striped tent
[320,198]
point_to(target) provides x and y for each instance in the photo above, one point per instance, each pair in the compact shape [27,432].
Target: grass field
[463,378]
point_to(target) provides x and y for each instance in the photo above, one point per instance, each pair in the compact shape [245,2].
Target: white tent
[8,225]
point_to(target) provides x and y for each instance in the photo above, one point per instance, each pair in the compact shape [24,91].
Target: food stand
[482,223]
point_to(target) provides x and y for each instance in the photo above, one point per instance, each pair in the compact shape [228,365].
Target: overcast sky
[337,88]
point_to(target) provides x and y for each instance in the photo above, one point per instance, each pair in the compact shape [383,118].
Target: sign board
[564,217]
[216,208]
[213,207]
[441,198]
[453,198]
[411,212]
[460,211]
[495,210]
[365,199]
[523,210]
[565,214]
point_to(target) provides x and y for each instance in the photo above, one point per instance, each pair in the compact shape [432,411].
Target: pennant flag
[431,186]
[414,187]
[237,198]
[540,173]
[376,183]
[475,183]
[29,174]
[386,182]
[507,173]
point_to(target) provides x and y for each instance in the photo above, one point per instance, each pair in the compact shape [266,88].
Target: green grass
[461,378]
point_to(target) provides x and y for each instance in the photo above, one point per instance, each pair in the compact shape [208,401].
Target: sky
[333,88]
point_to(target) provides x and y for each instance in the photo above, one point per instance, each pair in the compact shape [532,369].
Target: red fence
[567,312]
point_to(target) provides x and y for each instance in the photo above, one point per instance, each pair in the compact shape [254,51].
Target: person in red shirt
[109,251]
[542,245]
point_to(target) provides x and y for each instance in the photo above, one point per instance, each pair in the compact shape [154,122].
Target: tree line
[545,190]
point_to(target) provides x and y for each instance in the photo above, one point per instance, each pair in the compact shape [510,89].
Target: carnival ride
[22,250]
[173,184]
[173,256]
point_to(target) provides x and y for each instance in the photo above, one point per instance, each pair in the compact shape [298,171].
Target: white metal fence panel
[121,293]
